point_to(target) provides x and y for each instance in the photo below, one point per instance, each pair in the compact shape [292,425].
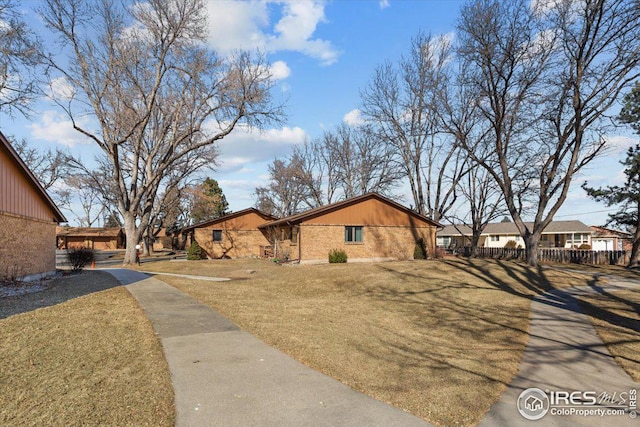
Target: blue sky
[323,54]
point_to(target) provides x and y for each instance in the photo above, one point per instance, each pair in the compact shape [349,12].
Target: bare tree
[483,201]
[401,102]
[317,170]
[545,74]
[50,167]
[361,161]
[346,162]
[156,94]
[285,194]
[19,58]
[89,196]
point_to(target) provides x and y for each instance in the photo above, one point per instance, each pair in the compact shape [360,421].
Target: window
[517,238]
[353,234]
[217,235]
[294,235]
[495,238]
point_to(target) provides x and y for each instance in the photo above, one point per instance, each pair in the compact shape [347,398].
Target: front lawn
[440,339]
[616,317]
[90,360]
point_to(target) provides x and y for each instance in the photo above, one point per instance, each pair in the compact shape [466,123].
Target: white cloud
[280,70]
[239,192]
[353,118]
[61,89]
[621,143]
[295,31]
[384,4]
[246,25]
[237,25]
[245,147]
[55,127]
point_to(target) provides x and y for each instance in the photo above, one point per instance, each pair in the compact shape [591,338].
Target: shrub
[511,244]
[195,252]
[585,246]
[420,249]
[79,258]
[337,256]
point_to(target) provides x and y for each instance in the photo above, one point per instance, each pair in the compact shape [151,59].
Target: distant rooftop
[509,228]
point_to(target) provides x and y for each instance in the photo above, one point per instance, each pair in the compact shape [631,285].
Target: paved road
[223,376]
[564,353]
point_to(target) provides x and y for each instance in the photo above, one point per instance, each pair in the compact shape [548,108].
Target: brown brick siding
[97,243]
[27,246]
[378,242]
[234,244]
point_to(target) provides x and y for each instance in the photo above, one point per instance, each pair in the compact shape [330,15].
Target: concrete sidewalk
[223,376]
[564,352]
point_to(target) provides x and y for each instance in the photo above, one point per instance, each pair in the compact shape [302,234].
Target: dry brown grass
[614,270]
[616,317]
[92,360]
[440,339]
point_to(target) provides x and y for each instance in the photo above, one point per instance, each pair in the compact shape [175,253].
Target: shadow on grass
[62,289]
[473,320]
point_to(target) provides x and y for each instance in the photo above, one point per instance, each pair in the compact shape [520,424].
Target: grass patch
[92,360]
[613,270]
[616,317]
[440,339]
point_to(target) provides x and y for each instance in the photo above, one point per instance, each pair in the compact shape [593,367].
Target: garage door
[603,245]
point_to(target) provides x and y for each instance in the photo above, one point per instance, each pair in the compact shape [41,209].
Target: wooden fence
[558,255]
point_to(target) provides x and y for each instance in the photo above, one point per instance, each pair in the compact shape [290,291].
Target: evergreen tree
[628,195]
[208,201]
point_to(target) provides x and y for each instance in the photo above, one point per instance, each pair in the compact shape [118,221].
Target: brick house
[606,239]
[368,227]
[28,219]
[90,237]
[235,235]
[558,234]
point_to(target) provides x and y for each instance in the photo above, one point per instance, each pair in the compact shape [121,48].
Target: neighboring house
[605,239]
[558,234]
[235,235]
[368,227]
[28,219]
[90,237]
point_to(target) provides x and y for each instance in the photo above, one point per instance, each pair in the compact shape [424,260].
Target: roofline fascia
[60,218]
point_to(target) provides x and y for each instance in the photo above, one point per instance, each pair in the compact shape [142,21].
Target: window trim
[213,235]
[353,230]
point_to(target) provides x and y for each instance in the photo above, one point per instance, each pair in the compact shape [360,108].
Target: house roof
[88,231]
[58,216]
[608,232]
[228,217]
[509,228]
[321,210]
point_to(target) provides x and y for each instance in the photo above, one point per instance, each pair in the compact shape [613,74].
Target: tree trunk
[634,259]
[133,239]
[475,240]
[148,242]
[531,248]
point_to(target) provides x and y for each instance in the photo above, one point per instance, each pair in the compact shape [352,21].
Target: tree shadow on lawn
[61,289]
[538,283]
[484,319]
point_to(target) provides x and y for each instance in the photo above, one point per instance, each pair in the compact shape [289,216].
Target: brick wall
[27,247]
[234,244]
[378,242]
